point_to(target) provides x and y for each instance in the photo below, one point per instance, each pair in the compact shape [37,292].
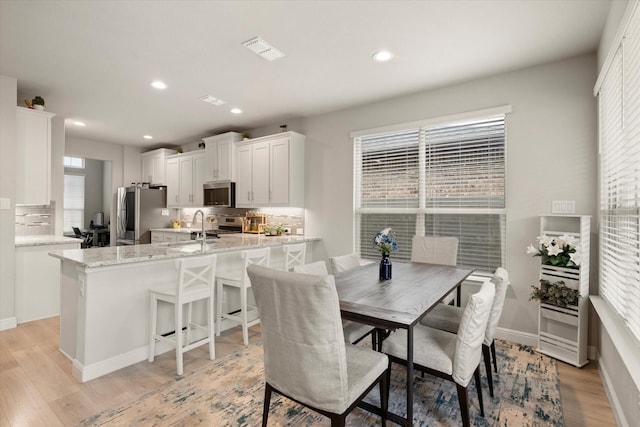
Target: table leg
[410,376]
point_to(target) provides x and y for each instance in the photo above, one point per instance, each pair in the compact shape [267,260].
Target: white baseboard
[610,391]
[8,323]
[519,337]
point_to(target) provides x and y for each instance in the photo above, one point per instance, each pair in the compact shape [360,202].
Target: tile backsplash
[32,220]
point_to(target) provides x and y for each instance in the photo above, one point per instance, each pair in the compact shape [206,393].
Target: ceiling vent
[263,49]
[212,100]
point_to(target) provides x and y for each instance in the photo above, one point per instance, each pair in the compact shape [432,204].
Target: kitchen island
[104,295]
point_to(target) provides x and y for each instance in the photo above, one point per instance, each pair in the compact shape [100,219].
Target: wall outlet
[5,204]
[563,206]
[165,212]
[300,231]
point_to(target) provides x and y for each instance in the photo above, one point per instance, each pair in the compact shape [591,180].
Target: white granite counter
[116,255]
[44,240]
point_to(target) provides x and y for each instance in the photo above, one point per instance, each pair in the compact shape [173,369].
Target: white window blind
[73,202]
[619,105]
[442,180]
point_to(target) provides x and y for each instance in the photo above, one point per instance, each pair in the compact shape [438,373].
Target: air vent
[263,49]
[212,100]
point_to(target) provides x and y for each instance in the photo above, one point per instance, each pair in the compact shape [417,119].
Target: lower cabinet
[170,236]
[38,289]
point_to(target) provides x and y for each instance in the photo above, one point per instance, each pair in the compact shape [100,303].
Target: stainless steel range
[226,225]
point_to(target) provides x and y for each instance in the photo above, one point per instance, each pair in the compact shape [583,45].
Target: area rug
[230,392]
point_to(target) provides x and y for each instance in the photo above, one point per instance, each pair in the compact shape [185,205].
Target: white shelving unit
[562,331]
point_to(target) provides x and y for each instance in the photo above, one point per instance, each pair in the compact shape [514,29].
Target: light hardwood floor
[37,389]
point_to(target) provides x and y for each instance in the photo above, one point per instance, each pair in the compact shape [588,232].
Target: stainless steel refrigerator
[139,210]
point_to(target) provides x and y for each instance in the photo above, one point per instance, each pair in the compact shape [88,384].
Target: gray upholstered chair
[443,354]
[437,250]
[196,281]
[447,318]
[354,332]
[258,256]
[305,356]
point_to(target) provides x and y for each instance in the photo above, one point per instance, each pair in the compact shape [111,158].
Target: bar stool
[196,282]
[294,255]
[241,281]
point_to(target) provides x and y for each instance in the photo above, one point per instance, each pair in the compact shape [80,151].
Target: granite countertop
[44,240]
[116,255]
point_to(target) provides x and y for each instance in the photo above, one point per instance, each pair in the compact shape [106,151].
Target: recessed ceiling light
[262,48]
[236,111]
[382,56]
[147,137]
[81,124]
[159,85]
[212,100]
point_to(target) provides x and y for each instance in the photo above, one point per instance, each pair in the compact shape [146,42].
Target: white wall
[551,154]
[8,97]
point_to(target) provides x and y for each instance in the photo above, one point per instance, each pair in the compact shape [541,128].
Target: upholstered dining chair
[258,256]
[443,354]
[436,250]
[354,332]
[448,318]
[196,281]
[305,356]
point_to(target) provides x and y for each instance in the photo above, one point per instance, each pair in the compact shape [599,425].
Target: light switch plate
[165,212]
[5,204]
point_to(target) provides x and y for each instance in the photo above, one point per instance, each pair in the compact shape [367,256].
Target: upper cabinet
[33,134]
[186,175]
[221,156]
[154,166]
[270,171]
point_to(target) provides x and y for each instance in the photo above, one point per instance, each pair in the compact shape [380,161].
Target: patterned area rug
[230,393]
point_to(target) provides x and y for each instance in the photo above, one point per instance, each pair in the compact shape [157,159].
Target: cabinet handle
[269,195]
[252,198]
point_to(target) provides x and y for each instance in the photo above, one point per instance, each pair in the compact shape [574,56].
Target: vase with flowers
[385,241]
[558,251]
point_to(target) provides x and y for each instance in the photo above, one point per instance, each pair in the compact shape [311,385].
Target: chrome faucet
[202,235]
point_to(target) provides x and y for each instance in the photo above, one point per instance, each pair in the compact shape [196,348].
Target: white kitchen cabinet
[37,290]
[33,133]
[221,156]
[186,175]
[270,171]
[562,331]
[154,166]
[170,236]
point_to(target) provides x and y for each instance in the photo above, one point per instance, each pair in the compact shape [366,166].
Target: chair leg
[267,402]
[219,290]
[243,315]
[487,365]
[385,384]
[463,398]
[493,355]
[189,338]
[210,327]
[338,420]
[476,374]
[178,337]
[153,314]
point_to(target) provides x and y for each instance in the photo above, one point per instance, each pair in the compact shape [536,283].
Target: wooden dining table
[399,303]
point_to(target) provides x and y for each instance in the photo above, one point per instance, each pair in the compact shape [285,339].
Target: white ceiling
[93,60]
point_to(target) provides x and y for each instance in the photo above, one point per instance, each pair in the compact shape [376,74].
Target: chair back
[319,268]
[77,232]
[501,281]
[196,274]
[294,255]
[471,334]
[254,256]
[304,349]
[434,250]
[344,263]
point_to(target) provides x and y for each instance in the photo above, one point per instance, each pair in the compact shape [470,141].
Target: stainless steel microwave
[220,193]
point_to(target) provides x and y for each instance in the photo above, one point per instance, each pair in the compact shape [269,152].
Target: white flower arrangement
[559,251]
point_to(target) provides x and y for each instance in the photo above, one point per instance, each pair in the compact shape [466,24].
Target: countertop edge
[22,241]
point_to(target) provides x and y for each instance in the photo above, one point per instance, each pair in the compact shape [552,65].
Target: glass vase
[385,267]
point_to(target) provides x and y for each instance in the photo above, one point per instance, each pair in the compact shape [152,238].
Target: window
[73,162]
[445,178]
[73,202]
[619,117]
